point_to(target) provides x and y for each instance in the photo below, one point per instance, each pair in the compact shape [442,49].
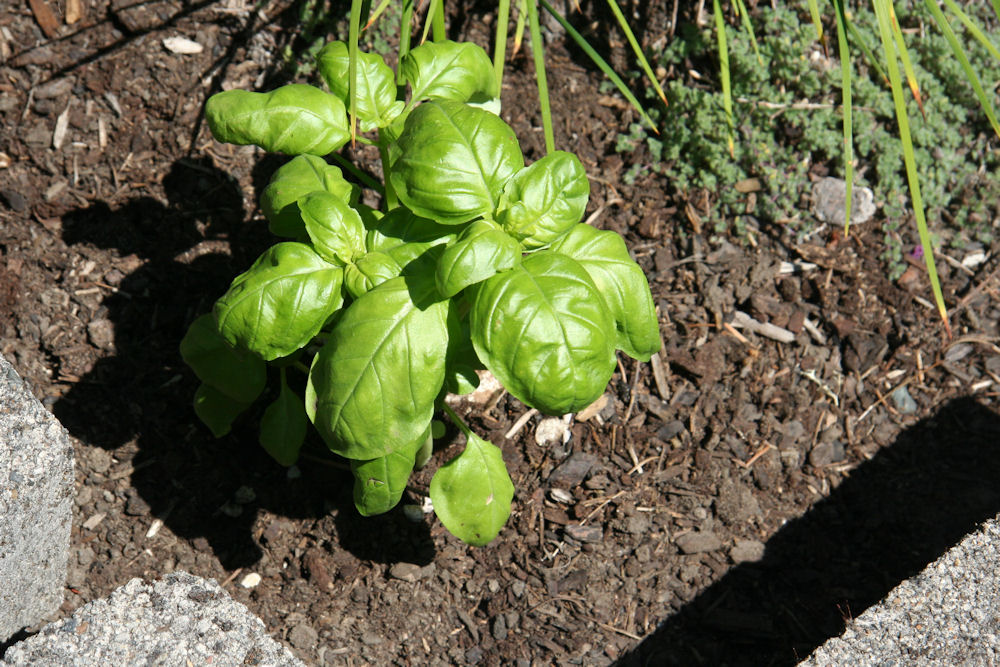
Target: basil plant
[476,261]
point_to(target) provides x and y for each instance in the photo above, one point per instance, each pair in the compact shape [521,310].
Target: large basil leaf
[545,332]
[405,236]
[216,410]
[234,373]
[451,161]
[481,250]
[283,426]
[622,284]
[335,229]
[372,385]
[379,483]
[449,70]
[376,85]
[545,199]
[472,492]
[280,302]
[368,272]
[293,119]
[296,178]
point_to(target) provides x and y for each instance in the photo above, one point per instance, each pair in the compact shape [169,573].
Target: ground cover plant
[475,261]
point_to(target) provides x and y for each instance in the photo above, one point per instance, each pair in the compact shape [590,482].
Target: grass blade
[727,89]
[640,56]
[883,10]
[377,13]
[500,45]
[437,22]
[959,52]
[817,21]
[601,64]
[859,40]
[974,29]
[904,55]
[405,32]
[522,12]
[538,51]
[352,67]
[741,9]
[845,86]
[431,17]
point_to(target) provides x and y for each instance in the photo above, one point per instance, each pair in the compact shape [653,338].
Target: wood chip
[47,21]
[74,11]
[182,45]
[102,133]
[593,409]
[660,376]
[743,321]
[747,185]
[62,125]
[94,521]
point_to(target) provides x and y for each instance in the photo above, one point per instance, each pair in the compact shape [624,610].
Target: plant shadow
[137,402]
[893,516]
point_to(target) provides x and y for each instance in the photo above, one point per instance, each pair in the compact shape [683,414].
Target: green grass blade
[353,170]
[431,17]
[522,12]
[741,9]
[883,10]
[727,89]
[845,86]
[500,45]
[377,13]
[904,55]
[437,22]
[974,29]
[859,40]
[970,74]
[405,31]
[538,51]
[352,67]
[816,19]
[601,64]
[640,56]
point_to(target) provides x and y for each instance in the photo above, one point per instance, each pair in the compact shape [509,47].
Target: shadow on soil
[138,402]
[893,516]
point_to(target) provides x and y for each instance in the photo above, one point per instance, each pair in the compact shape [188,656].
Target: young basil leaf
[472,492]
[372,385]
[368,272]
[298,177]
[379,483]
[235,373]
[376,94]
[216,410]
[283,426]
[545,199]
[336,230]
[448,70]
[481,250]
[545,332]
[405,236]
[293,119]
[281,302]
[622,284]
[451,162]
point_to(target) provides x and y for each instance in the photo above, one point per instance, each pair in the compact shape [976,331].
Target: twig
[519,424]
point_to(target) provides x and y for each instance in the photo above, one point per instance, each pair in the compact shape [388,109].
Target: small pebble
[903,401]
[699,542]
[584,533]
[250,581]
[499,628]
[408,572]
[747,551]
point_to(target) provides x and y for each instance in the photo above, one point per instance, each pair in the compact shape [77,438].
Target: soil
[735,503]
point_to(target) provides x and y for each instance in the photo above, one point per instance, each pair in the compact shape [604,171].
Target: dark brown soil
[738,511]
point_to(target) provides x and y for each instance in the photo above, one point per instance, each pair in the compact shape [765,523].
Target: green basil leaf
[281,302]
[235,373]
[296,178]
[406,237]
[368,272]
[336,230]
[375,97]
[372,385]
[283,426]
[448,70]
[545,332]
[542,201]
[461,363]
[622,284]
[472,492]
[481,250]
[380,483]
[451,162]
[293,119]
[216,410]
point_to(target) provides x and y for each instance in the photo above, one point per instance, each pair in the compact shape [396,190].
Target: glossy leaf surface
[335,229]
[545,332]
[542,201]
[372,386]
[451,162]
[379,483]
[235,373]
[293,119]
[368,272]
[481,250]
[375,96]
[295,179]
[449,70]
[472,492]
[405,236]
[621,282]
[281,302]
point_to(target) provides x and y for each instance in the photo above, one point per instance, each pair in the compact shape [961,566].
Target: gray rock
[699,542]
[36,503]
[829,199]
[747,551]
[179,620]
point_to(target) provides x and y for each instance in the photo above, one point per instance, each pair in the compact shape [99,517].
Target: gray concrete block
[36,493]
[949,614]
[179,620]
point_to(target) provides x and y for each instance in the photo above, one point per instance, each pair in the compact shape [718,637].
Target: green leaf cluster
[477,261]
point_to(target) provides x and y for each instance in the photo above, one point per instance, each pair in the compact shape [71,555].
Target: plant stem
[458,421]
[358,174]
[352,65]
[538,51]
[500,46]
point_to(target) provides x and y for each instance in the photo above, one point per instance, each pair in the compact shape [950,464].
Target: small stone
[829,197]
[15,200]
[250,581]
[473,656]
[561,496]
[670,430]
[825,453]
[551,430]
[371,638]
[499,628]
[637,524]
[102,334]
[408,572]
[517,587]
[699,542]
[303,637]
[903,401]
[584,533]
[747,551]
